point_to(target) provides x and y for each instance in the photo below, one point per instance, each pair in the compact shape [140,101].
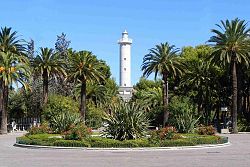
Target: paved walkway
[236,155]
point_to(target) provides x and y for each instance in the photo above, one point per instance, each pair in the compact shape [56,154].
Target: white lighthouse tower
[125,89]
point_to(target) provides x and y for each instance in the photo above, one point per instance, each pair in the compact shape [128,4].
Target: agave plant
[126,121]
[63,121]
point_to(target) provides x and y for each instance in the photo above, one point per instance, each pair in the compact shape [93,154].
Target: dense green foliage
[42,129]
[163,60]
[77,132]
[52,140]
[206,130]
[183,114]
[64,121]
[94,116]
[231,45]
[126,121]
[58,104]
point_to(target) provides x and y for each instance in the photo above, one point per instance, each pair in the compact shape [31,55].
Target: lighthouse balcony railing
[125,41]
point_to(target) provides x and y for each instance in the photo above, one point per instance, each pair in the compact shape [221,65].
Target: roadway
[235,155]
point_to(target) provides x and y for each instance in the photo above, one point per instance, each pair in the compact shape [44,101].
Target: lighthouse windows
[125,69]
[125,58]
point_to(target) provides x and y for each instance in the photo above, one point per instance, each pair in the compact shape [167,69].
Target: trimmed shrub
[208,140]
[41,136]
[135,143]
[104,142]
[111,143]
[71,143]
[206,130]
[176,143]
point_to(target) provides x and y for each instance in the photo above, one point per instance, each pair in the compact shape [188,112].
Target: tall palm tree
[9,42]
[231,47]
[13,68]
[94,92]
[163,61]
[84,67]
[201,79]
[47,64]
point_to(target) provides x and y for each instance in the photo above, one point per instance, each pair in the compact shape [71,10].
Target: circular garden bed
[101,142]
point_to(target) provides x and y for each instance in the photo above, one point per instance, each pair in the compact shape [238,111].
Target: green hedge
[111,143]
[71,143]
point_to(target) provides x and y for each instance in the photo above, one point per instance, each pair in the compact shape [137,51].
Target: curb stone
[127,149]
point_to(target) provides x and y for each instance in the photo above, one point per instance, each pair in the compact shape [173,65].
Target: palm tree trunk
[45,87]
[240,90]
[1,105]
[4,102]
[234,99]
[165,99]
[83,100]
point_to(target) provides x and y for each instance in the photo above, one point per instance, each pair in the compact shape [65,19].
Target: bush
[58,104]
[45,140]
[44,128]
[167,133]
[176,143]
[111,143]
[71,143]
[43,136]
[94,116]
[206,130]
[127,121]
[32,141]
[77,132]
[63,121]
[243,125]
[183,111]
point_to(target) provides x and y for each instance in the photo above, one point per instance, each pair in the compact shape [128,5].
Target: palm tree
[84,67]
[200,81]
[94,92]
[163,60]
[47,64]
[231,47]
[8,43]
[13,68]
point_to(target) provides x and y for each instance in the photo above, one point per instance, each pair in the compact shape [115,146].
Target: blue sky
[96,25]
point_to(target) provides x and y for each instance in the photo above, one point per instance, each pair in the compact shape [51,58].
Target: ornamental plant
[44,128]
[206,130]
[126,121]
[168,132]
[64,121]
[58,104]
[77,132]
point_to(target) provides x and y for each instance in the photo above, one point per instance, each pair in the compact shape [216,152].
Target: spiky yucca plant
[127,121]
[63,121]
